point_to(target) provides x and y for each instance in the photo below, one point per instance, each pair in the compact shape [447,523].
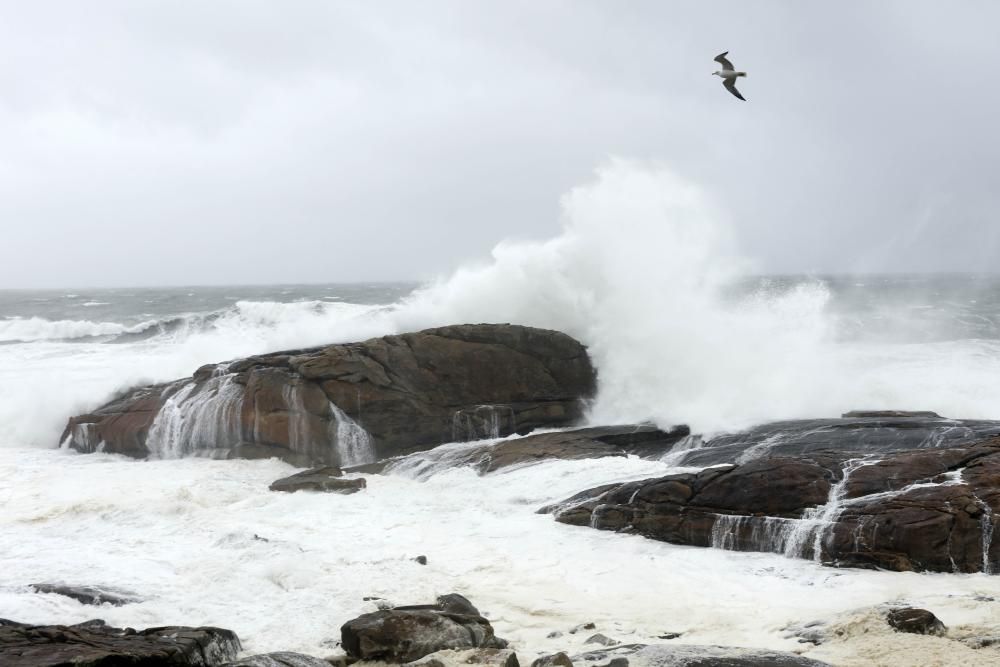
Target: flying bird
[728,74]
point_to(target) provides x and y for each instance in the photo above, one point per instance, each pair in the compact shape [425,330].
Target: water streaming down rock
[795,538]
[201,415]
[354,444]
[483,422]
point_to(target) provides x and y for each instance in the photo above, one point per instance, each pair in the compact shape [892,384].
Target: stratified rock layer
[931,509]
[94,644]
[354,403]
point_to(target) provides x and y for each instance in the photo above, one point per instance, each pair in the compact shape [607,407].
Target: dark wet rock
[585,443]
[405,634]
[422,560]
[854,436]
[583,626]
[603,640]
[89,594]
[327,479]
[574,444]
[889,414]
[486,657]
[555,660]
[279,659]
[916,621]
[555,634]
[930,509]
[95,644]
[669,635]
[353,403]
[681,655]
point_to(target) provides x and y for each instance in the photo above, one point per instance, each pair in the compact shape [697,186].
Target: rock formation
[353,403]
[94,644]
[930,509]
[405,634]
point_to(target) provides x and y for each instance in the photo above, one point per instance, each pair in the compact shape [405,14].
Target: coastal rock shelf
[926,509]
[354,403]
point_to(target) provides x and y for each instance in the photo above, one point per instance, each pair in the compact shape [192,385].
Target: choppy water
[648,278]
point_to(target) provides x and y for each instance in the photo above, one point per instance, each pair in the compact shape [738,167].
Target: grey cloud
[232,142]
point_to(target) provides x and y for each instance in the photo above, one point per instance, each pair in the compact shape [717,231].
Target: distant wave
[271,319]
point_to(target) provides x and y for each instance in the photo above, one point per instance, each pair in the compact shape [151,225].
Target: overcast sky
[237,141]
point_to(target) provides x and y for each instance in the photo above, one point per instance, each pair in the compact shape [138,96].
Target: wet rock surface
[665,655]
[405,634]
[486,657]
[95,644]
[930,509]
[916,621]
[328,479]
[279,659]
[93,595]
[575,444]
[859,433]
[353,403]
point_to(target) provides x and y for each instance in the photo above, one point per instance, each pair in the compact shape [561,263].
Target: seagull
[728,74]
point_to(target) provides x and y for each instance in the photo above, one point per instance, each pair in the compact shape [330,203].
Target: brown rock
[352,403]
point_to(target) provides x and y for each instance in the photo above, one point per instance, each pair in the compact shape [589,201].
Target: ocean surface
[679,334]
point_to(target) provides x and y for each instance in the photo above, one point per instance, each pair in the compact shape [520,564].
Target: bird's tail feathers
[741,74]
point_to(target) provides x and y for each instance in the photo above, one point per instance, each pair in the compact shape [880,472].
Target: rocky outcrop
[928,509]
[584,443]
[93,595]
[94,644]
[405,634]
[353,403]
[859,433]
[680,655]
[327,479]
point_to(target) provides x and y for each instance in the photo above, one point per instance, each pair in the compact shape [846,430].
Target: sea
[681,330]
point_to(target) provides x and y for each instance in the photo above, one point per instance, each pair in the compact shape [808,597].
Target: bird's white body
[728,74]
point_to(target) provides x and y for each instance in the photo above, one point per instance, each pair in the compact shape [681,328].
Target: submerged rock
[667,655]
[354,403]
[916,621]
[89,594]
[575,444]
[95,643]
[405,634]
[327,479]
[486,657]
[930,509]
[279,659]
[555,660]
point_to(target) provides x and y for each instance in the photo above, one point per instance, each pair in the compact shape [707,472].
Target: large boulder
[405,634]
[327,479]
[95,644]
[931,509]
[353,403]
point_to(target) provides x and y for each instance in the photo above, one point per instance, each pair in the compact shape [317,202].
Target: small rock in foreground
[279,659]
[96,643]
[916,621]
[405,634]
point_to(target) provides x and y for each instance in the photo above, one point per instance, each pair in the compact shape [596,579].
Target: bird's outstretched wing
[722,60]
[730,85]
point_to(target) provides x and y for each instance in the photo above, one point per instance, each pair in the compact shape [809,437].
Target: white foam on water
[181,534]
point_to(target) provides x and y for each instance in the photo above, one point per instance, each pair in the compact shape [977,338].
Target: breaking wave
[646,271]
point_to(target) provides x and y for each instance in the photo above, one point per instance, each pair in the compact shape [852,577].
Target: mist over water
[646,272]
